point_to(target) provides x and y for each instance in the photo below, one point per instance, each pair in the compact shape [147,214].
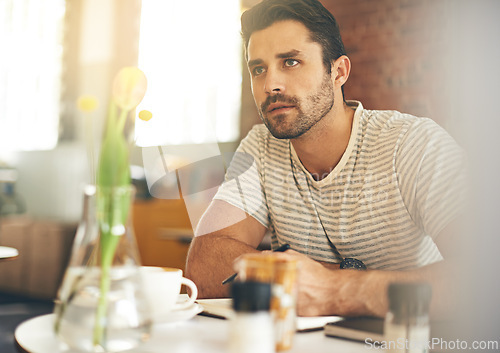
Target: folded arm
[325,290]
[225,233]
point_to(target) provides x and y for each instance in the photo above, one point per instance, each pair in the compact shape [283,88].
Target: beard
[309,111]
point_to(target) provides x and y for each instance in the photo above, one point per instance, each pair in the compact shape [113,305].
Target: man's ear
[341,69]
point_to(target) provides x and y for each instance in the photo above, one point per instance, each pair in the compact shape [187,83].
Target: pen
[282,248]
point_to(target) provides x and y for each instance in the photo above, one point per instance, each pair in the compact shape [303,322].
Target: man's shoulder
[395,121]
[387,119]
[403,131]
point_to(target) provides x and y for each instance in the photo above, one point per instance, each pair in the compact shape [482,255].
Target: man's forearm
[210,260]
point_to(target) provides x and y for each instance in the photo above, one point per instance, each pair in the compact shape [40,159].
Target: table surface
[199,334]
[8,252]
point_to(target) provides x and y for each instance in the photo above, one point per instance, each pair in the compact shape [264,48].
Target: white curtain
[31,37]
[190,52]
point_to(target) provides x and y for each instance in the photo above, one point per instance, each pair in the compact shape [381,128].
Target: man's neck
[322,147]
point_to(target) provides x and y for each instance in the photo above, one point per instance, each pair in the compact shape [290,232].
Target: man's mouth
[279,107]
[279,104]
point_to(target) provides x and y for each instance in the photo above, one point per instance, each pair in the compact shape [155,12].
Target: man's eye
[291,62]
[256,71]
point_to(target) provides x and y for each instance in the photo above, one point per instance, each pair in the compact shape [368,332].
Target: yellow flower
[145,115]
[87,103]
[129,87]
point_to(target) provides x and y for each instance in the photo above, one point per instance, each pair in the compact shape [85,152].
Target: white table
[8,253]
[198,335]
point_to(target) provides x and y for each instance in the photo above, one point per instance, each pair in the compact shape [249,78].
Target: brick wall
[399,53]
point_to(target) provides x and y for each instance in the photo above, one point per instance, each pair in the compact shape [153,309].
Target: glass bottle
[101,306]
[406,327]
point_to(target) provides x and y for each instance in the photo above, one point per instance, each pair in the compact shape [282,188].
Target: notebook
[222,308]
[357,329]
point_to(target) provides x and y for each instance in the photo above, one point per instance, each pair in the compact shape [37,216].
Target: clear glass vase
[101,306]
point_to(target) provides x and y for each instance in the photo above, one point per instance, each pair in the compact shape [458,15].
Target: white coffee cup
[162,287]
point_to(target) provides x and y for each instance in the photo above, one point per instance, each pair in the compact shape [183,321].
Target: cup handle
[194,294]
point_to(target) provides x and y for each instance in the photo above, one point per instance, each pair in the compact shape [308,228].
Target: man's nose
[274,82]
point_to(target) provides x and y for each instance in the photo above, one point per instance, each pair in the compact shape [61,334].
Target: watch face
[350,262]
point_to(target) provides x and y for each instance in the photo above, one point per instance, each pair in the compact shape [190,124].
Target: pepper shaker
[252,326]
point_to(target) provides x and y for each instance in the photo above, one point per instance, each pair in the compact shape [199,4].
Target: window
[31,36]
[190,52]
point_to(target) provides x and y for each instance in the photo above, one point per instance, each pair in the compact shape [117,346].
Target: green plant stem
[113,204]
[109,243]
[102,305]
[113,210]
[121,120]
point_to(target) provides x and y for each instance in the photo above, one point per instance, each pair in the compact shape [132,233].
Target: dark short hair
[311,13]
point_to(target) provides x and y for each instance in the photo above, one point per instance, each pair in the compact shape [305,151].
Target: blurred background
[432,58]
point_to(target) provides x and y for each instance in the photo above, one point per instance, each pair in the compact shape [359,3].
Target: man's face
[290,85]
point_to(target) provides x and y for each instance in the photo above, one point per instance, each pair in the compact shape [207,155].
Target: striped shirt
[398,184]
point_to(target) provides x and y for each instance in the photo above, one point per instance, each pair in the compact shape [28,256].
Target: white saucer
[180,315]
[7,252]
[37,335]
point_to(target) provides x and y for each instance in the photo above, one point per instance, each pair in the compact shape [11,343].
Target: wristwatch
[352,263]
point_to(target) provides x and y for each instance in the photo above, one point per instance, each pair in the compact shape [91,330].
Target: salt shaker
[252,326]
[406,327]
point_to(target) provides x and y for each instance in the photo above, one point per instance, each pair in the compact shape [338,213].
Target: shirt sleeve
[431,170]
[242,186]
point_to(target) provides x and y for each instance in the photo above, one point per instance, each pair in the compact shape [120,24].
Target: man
[342,185]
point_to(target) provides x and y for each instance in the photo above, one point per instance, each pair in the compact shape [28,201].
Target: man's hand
[323,288]
[312,292]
